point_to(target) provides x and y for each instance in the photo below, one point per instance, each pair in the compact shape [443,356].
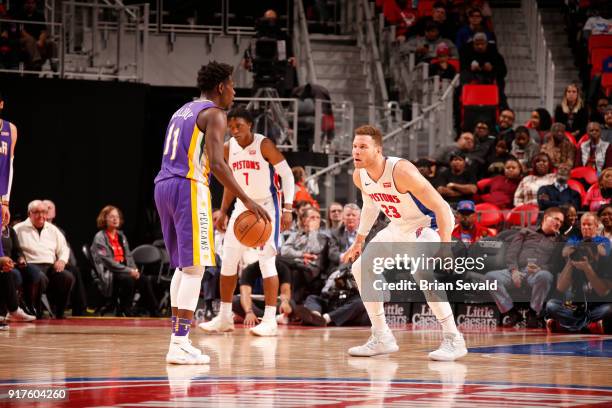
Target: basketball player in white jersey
[417,213]
[255,162]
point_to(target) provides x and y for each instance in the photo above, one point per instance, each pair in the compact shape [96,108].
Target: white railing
[366,37]
[301,39]
[540,53]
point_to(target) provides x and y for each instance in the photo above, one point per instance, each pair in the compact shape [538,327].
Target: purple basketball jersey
[184,155]
[5,156]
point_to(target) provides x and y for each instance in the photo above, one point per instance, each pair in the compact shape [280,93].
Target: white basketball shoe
[267,328]
[182,352]
[219,324]
[380,342]
[452,348]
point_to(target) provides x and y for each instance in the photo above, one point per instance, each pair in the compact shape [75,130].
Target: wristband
[287,210]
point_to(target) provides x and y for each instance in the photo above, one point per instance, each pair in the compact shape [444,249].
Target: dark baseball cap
[466,206]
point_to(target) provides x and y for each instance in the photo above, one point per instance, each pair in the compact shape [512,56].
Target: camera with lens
[586,249]
[269,56]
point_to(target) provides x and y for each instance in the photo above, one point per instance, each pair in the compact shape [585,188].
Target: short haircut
[590,214]
[33,204]
[352,206]
[522,129]
[509,110]
[212,74]
[553,210]
[474,10]
[101,220]
[372,131]
[557,126]
[240,111]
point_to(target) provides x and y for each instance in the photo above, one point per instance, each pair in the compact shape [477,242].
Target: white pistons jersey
[403,209]
[254,174]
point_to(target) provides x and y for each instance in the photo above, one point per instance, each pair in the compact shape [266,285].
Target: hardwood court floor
[120,362]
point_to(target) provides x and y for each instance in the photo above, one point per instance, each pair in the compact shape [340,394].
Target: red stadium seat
[488,214]
[425,7]
[523,215]
[479,103]
[597,57]
[588,174]
[480,95]
[600,41]
[606,82]
[484,183]
[576,185]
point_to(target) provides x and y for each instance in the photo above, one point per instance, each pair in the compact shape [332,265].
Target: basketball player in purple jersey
[8,139]
[193,148]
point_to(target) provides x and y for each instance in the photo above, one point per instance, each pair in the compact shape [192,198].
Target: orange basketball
[250,231]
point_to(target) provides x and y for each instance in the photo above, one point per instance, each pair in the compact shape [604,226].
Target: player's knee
[268,267]
[196,270]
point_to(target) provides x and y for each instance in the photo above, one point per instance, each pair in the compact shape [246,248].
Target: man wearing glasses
[45,248]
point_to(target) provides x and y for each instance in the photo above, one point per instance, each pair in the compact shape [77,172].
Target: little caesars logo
[477,317]
[396,314]
[424,317]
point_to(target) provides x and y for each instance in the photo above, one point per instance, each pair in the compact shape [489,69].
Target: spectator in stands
[427,168]
[527,190]
[458,182]
[597,115]
[308,251]
[401,14]
[425,47]
[594,153]
[481,63]
[498,157]
[8,297]
[45,248]
[606,131]
[504,128]
[343,237]
[597,24]
[35,41]
[466,34]
[572,111]
[448,29]
[594,199]
[539,123]
[605,216]
[26,277]
[111,250]
[301,192]
[468,230]
[441,67]
[585,282]
[524,148]
[529,258]
[334,216]
[558,193]
[570,226]
[502,187]
[485,142]
[9,42]
[465,144]
[338,303]
[558,147]
[251,310]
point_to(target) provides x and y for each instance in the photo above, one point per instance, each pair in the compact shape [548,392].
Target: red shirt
[501,192]
[472,235]
[117,247]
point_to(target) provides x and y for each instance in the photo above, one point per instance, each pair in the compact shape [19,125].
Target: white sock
[327,318]
[316,312]
[269,313]
[448,324]
[376,312]
[225,310]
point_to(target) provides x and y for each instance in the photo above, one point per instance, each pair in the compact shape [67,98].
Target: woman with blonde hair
[572,111]
[594,198]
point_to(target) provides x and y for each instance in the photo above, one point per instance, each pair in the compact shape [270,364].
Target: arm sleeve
[287,181]
[7,196]
[369,213]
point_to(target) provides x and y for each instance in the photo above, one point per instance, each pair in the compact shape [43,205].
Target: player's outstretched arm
[407,178]
[369,213]
[214,121]
[271,153]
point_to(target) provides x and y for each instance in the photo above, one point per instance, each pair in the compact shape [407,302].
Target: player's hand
[250,319]
[286,221]
[6,215]
[285,308]
[517,278]
[221,224]
[353,252]
[259,211]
